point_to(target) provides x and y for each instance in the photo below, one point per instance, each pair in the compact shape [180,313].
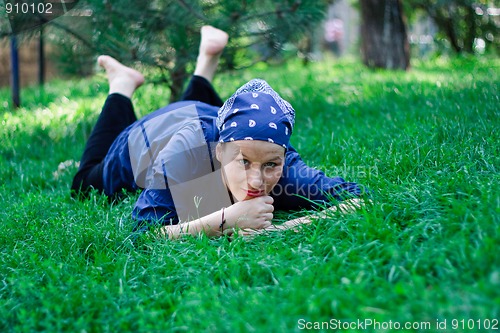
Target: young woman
[203,166]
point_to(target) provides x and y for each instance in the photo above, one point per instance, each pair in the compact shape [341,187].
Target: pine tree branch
[63,28]
[74,34]
[277,12]
[192,11]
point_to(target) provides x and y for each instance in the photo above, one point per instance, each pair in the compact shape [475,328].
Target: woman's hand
[348,206]
[251,217]
[252,214]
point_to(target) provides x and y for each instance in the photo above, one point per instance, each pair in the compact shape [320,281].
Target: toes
[104,60]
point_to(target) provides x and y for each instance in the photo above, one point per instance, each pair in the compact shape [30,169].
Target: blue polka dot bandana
[256,112]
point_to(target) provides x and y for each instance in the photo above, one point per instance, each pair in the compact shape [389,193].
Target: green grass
[426,142]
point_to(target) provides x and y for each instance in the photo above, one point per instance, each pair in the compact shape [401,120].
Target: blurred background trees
[463,23]
[163,34]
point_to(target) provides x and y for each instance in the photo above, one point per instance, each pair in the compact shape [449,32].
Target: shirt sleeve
[303,187]
[176,179]
[154,208]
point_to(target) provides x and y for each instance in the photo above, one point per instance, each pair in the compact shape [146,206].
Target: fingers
[263,212]
[268,217]
[256,213]
[262,204]
[268,199]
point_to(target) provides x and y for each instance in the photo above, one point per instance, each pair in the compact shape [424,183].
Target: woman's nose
[254,179]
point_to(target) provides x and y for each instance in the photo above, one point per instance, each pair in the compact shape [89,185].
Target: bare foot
[122,79]
[213,41]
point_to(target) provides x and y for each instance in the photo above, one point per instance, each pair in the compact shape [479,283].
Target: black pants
[116,115]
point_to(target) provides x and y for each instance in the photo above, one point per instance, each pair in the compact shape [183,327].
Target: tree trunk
[471,26]
[177,78]
[444,21]
[384,40]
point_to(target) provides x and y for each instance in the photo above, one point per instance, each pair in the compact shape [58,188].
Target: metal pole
[41,60]
[14,63]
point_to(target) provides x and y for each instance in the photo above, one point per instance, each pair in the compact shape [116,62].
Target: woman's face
[251,168]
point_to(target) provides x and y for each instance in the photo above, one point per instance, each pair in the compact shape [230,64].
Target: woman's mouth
[254,194]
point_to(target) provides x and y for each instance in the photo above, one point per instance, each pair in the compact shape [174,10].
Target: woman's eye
[244,162]
[270,165]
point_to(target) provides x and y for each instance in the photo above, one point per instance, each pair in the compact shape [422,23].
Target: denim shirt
[170,156]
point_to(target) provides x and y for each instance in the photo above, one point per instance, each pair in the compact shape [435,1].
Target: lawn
[424,254]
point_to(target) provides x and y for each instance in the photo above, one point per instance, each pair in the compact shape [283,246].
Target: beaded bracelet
[221,227]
